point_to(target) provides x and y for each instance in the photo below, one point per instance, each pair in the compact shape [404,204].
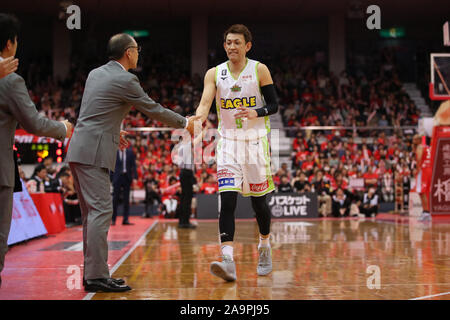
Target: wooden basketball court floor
[383,258]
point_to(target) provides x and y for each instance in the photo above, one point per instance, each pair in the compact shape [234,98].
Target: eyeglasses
[139,48]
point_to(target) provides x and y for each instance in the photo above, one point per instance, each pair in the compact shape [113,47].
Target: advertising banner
[281,205]
[293,205]
[26,222]
[440,183]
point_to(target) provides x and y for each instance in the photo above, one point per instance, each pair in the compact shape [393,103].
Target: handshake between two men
[124,143]
[192,122]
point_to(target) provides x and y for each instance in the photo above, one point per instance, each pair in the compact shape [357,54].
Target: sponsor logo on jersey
[226,182]
[247,77]
[238,102]
[224,173]
[236,88]
[260,187]
[224,72]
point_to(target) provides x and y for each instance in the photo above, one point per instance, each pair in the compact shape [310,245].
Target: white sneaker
[226,269]
[264,261]
[424,217]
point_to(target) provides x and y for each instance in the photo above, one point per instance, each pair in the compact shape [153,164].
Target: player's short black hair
[9,29]
[117,45]
[239,29]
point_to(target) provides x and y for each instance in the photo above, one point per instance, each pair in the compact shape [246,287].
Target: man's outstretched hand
[124,143]
[8,66]
[192,122]
[69,127]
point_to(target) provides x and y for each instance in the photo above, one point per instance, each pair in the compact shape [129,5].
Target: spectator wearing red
[370,177]
[209,186]
[170,196]
[308,165]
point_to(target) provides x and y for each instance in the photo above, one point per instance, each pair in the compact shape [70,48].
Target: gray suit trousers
[93,187]
[6,201]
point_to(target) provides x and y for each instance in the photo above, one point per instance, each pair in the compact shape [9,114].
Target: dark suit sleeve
[24,111]
[136,96]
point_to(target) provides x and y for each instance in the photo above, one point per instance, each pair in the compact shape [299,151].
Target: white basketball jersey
[232,93]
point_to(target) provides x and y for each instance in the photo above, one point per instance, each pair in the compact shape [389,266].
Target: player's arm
[209,92]
[269,93]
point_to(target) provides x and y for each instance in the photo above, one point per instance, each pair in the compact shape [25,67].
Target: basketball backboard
[440,76]
[446,33]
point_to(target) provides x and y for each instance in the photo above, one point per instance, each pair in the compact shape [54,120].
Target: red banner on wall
[440,183]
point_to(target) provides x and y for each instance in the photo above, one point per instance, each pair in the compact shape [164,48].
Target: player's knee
[259,204]
[228,201]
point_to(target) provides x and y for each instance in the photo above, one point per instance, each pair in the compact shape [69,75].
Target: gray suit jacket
[109,94]
[16,106]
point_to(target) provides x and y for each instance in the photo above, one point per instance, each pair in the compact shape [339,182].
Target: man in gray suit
[109,94]
[16,107]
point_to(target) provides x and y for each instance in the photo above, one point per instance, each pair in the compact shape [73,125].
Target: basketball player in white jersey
[245,97]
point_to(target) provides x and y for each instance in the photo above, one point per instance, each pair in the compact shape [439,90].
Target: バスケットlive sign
[293,205]
[281,205]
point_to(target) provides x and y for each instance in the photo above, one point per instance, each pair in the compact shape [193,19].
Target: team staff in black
[122,178]
[187,180]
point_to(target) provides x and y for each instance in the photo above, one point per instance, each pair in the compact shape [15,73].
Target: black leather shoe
[104,285]
[127,223]
[118,281]
[187,226]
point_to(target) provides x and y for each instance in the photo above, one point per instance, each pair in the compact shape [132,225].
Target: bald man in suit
[109,94]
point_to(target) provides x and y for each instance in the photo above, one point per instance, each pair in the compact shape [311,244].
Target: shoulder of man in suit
[13,79]
[126,76]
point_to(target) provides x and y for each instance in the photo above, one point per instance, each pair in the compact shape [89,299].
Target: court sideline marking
[431,296]
[125,256]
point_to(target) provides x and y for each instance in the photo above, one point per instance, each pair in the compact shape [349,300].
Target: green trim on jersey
[267,123]
[218,117]
[217,102]
[268,172]
[230,189]
[228,67]
[218,148]
[253,194]
[267,155]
